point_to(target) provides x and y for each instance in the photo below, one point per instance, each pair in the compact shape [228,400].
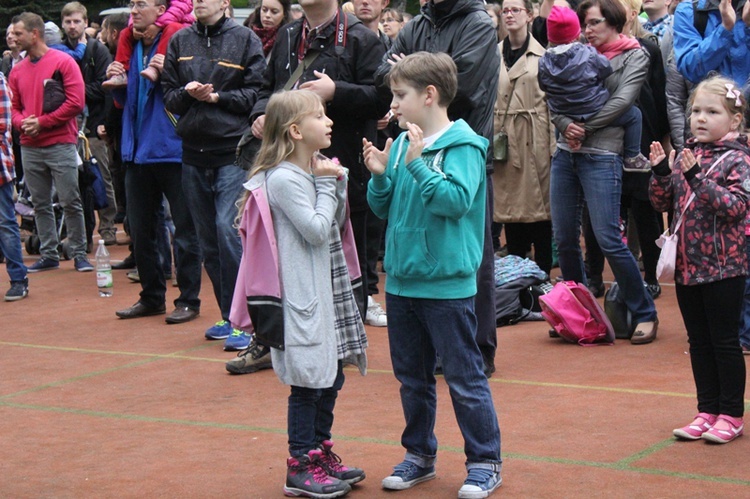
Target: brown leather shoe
[182,314]
[140,310]
[644,334]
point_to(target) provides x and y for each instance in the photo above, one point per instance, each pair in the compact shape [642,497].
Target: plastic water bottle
[104,279]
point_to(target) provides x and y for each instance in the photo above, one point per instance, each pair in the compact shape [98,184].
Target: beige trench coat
[521,183]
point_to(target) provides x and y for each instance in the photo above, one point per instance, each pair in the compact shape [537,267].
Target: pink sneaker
[724,430]
[700,425]
[331,463]
[151,73]
[117,81]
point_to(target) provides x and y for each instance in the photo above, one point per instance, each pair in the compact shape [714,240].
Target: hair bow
[733,93]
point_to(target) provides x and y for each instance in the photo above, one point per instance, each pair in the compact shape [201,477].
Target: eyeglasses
[593,22]
[390,20]
[513,10]
[138,5]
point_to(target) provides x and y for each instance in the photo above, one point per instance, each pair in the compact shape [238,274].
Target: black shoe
[140,310]
[553,334]
[597,288]
[654,289]
[182,314]
[488,369]
[127,264]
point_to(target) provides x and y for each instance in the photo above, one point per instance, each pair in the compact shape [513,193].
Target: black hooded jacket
[356,104]
[464,32]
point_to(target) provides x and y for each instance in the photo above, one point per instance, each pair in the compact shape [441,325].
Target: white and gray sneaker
[375,316]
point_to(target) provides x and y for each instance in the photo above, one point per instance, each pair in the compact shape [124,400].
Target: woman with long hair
[268,17]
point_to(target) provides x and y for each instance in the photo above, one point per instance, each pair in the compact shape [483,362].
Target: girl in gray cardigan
[322,328]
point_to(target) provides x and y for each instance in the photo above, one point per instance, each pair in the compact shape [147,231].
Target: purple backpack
[574,313]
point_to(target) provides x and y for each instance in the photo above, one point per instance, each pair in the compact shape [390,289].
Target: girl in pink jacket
[178,15]
[708,187]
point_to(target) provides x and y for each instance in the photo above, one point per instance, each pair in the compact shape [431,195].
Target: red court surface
[95,406]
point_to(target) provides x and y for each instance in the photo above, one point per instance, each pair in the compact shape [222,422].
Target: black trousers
[711,313]
[520,236]
[484,301]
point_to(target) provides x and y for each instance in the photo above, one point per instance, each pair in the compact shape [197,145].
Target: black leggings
[711,313]
[520,236]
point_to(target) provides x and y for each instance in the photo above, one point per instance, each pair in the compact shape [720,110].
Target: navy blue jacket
[572,76]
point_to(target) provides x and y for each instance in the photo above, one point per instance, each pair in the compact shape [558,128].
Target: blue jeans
[745,318]
[145,187]
[418,329]
[631,122]
[213,194]
[10,236]
[310,415]
[598,179]
[55,165]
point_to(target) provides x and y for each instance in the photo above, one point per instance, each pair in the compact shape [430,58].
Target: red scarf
[622,44]
[267,36]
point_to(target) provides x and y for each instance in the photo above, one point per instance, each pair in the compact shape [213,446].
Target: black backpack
[618,313]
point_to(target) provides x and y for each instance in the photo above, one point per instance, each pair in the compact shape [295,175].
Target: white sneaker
[375,314]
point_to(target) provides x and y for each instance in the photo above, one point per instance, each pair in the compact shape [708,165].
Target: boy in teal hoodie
[429,184]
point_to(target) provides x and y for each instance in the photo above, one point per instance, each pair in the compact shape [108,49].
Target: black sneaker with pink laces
[306,477]
[331,462]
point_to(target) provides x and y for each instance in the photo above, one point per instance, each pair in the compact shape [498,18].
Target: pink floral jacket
[711,244]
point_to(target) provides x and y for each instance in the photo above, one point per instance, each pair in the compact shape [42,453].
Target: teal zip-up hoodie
[435,208]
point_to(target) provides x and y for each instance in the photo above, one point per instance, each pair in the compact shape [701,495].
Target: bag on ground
[618,313]
[576,316]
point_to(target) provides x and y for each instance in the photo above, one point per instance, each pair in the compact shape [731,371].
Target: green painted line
[150,358]
[174,355]
[142,419]
[75,378]
[646,452]
[180,355]
[622,465]
[618,466]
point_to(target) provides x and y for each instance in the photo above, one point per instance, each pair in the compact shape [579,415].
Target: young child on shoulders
[178,15]
[322,327]
[707,187]
[430,185]
[572,76]
[53,39]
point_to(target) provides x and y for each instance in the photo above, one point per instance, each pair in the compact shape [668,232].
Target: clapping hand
[657,154]
[324,167]
[202,92]
[375,159]
[688,160]
[416,142]
[728,15]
